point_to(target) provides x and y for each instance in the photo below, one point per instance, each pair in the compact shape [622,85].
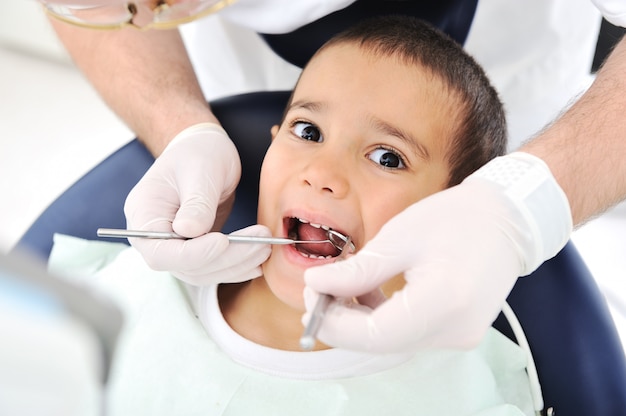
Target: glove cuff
[196,128]
[528,183]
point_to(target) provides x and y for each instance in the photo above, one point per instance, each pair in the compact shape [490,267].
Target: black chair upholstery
[453,17]
[579,356]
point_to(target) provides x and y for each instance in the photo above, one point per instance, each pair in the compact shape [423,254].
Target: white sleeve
[613,10]
[279,16]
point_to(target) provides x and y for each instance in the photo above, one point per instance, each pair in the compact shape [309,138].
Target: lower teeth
[313,256]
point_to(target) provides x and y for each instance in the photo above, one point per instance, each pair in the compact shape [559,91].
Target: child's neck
[252,310]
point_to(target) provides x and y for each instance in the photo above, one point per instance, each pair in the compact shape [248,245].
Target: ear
[274,131]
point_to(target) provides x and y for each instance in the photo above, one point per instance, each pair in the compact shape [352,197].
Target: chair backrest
[577,351]
[579,356]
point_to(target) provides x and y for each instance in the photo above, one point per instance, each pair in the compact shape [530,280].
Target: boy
[366,135]
[383,115]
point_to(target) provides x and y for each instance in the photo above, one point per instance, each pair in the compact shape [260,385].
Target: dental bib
[169,362]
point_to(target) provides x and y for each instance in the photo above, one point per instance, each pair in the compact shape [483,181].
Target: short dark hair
[480,133]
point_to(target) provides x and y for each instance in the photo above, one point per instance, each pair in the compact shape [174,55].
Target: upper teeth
[323,227]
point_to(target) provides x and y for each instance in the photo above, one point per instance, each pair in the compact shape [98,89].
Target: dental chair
[577,351]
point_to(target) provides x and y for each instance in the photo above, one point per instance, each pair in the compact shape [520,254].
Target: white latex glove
[181,191]
[461,251]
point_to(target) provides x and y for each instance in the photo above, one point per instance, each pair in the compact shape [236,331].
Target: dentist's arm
[461,250]
[145,77]
[586,147]
[148,81]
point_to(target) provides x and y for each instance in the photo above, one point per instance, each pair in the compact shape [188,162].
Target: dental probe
[121,233]
[307,340]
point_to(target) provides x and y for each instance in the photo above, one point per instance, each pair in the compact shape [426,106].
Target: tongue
[307,232]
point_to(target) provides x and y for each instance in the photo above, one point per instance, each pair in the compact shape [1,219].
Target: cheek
[263,206]
[278,163]
[270,185]
[377,211]
[388,201]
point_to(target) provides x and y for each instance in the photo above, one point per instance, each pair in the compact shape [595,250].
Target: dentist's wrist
[542,206]
[209,128]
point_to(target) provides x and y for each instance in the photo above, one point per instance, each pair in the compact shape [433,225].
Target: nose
[327,171]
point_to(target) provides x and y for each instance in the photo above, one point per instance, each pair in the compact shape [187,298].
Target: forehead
[353,80]
[348,65]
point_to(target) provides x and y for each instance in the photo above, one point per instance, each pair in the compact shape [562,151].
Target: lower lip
[294,256]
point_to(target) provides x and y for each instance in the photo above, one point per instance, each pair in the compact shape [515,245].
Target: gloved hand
[461,251]
[197,172]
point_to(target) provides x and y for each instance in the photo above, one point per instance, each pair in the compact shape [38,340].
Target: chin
[286,283]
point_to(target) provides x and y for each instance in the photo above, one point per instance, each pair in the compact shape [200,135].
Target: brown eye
[387,158]
[307,131]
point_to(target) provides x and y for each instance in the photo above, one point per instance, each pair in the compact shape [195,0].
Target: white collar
[314,365]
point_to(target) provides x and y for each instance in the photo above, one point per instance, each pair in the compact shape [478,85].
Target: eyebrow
[407,138]
[315,106]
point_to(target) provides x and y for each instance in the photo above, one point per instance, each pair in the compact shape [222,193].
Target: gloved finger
[151,204]
[360,274]
[199,200]
[214,179]
[177,254]
[239,262]
[414,317]
[209,258]
[388,328]
[196,215]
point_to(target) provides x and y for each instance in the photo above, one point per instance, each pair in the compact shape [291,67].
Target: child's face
[364,138]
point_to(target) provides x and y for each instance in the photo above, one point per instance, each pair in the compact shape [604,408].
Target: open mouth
[303,230]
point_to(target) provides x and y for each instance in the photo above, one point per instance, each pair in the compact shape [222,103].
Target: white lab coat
[537,52]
